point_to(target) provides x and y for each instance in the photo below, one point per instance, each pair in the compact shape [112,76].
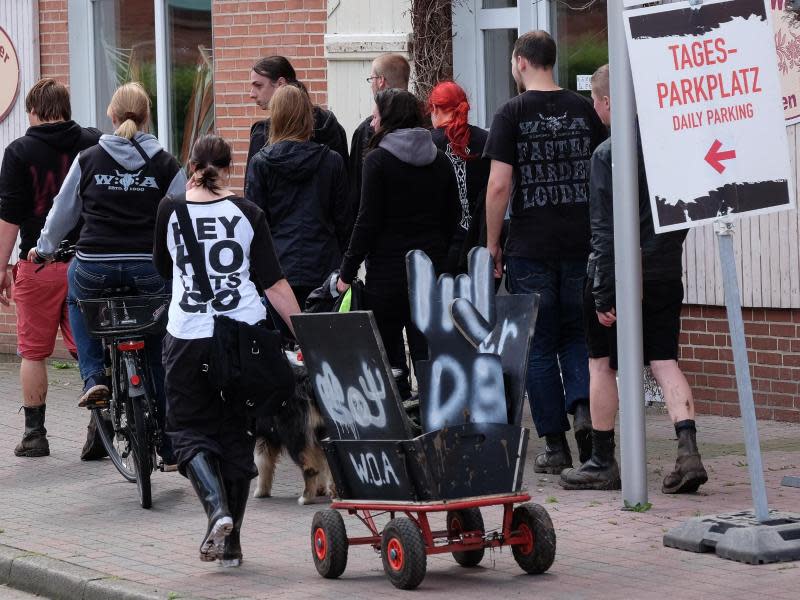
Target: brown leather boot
[34,440]
[689,473]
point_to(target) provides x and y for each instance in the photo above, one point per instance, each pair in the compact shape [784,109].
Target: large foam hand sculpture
[457,383]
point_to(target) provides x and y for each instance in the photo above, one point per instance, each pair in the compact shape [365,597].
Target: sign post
[709,98]
[628,266]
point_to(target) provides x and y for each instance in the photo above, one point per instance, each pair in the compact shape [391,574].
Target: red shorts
[41,302]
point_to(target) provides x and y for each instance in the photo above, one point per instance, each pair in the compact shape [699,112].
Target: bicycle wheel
[141,451]
[117,445]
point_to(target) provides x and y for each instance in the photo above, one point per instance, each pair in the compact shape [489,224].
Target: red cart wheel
[329,543]
[536,554]
[459,521]
[403,553]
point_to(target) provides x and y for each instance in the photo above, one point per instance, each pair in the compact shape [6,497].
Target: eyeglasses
[371,77]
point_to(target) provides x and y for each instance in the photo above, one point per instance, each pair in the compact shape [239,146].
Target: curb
[60,580]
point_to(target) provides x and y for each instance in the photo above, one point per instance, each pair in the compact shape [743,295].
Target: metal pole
[164,107]
[633,450]
[730,282]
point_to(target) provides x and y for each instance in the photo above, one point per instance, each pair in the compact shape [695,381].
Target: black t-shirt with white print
[548,137]
[239,257]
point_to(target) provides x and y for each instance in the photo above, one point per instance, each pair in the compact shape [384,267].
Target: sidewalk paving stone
[85,515]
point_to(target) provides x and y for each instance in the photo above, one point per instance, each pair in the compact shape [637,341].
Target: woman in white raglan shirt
[211,445]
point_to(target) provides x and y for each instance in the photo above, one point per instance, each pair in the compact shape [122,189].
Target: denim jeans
[89,279]
[558,362]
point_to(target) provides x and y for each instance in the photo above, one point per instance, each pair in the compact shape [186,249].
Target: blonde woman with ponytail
[114,188]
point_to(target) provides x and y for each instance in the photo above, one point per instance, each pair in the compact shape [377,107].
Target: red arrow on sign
[714,156]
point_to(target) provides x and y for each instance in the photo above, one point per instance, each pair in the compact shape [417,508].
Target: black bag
[247,364]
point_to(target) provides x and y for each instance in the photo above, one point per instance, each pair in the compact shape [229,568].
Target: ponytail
[450,97]
[130,105]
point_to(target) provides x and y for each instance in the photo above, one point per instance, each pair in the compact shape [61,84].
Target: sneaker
[96,393]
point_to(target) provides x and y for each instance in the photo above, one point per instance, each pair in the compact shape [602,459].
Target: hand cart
[406,541]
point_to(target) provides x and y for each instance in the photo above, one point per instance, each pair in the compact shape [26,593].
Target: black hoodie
[302,189]
[327,131]
[34,167]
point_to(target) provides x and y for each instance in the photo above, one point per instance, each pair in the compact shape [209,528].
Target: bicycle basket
[143,315]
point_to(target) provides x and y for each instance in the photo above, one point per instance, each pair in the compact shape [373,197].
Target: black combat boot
[556,456]
[582,426]
[600,472]
[34,440]
[238,493]
[204,473]
[689,473]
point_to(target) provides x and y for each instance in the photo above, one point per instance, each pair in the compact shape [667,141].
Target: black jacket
[404,206]
[327,131]
[302,189]
[116,193]
[358,147]
[472,177]
[661,253]
[34,167]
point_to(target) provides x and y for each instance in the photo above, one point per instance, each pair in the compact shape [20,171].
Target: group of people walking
[416,176]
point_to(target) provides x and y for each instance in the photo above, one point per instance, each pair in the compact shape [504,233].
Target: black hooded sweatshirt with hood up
[327,131]
[34,167]
[302,189]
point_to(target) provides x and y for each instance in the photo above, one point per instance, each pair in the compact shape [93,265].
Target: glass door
[580,28]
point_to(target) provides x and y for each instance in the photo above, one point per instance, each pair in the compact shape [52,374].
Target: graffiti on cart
[356,407]
[372,470]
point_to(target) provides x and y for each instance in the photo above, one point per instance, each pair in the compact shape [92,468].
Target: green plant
[639,507]
[63,365]
[551,500]
[173,596]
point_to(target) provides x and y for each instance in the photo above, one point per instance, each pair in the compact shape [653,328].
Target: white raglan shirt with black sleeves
[239,258]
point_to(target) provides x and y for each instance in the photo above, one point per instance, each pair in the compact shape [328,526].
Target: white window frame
[469,23]
[82,64]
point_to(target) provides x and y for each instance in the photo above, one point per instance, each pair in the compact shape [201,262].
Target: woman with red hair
[463,144]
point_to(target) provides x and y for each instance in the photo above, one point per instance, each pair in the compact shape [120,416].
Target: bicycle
[129,426]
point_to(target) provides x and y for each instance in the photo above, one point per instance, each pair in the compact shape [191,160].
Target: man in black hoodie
[266,76]
[34,166]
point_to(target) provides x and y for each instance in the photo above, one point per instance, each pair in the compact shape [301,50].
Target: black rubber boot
[582,426]
[93,448]
[204,473]
[34,440]
[689,473]
[238,493]
[556,456]
[600,472]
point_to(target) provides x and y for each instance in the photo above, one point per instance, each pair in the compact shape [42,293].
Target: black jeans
[392,315]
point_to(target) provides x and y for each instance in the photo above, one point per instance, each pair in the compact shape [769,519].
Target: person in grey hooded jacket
[115,187]
[409,201]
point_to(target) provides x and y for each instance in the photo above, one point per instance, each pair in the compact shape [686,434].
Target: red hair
[450,97]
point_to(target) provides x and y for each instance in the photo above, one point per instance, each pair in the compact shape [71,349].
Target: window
[581,30]
[127,48]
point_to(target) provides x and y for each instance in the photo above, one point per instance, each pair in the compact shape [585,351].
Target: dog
[298,429]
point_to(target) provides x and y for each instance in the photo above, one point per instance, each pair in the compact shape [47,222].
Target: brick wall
[773,342]
[243,33]
[54,62]
[54,39]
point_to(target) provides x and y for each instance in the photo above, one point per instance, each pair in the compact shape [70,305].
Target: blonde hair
[291,115]
[130,105]
[600,82]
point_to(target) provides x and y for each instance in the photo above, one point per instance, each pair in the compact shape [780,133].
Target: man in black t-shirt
[540,144]
[34,166]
